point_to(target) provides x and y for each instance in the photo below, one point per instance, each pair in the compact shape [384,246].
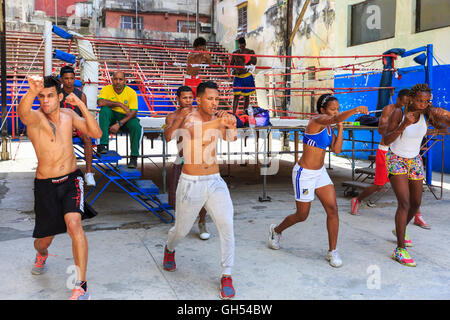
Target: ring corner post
[429,81]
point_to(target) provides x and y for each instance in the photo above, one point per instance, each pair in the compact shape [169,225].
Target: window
[185,26]
[372,20]
[128,22]
[242,19]
[205,27]
[432,14]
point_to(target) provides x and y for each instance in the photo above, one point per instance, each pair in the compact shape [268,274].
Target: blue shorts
[245,80]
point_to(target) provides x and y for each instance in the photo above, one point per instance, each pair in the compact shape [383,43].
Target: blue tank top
[320,140]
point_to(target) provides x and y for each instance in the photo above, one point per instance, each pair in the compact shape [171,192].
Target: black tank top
[64,104]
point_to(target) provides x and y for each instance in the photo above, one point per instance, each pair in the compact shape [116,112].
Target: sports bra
[320,140]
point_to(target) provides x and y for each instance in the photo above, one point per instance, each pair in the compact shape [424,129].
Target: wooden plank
[356,184]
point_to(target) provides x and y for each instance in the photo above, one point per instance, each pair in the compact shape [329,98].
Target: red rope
[234,54]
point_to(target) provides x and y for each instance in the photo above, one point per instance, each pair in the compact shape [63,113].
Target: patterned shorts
[398,165]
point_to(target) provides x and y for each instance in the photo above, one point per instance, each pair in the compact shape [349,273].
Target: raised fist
[228,121]
[36,83]
[410,118]
[184,112]
[362,109]
[73,99]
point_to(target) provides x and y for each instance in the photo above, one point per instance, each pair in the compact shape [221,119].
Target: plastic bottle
[251,118]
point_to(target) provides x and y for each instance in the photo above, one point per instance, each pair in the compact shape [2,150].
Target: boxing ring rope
[171,75]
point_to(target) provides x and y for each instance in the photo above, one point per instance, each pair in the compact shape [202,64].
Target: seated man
[67,75]
[119,106]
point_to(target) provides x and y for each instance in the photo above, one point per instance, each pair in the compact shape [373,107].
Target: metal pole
[429,81]
[4,88]
[136,21]
[164,146]
[48,48]
[56,12]
[197,29]
[265,197]
[188,24]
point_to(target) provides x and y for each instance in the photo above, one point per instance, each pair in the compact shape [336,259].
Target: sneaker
[226,288]
[203,233]
[133,162]
[355,207]
[408,242]
[79,294]
[402,256]
[169,260]
[89,178]
[334,259]
[102,149]
[39,264]
[274,238]
[418,221]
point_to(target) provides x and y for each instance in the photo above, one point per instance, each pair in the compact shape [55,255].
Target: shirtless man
[58,187]
[242,77]
[173,122]
[67,75]
[381,175]
[191,78]
[200,183]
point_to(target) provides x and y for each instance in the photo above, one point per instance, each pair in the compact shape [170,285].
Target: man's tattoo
[53,128]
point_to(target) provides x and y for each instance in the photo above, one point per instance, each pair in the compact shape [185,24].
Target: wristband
[120,123]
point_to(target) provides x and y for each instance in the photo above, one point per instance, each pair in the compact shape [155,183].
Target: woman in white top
[405,167]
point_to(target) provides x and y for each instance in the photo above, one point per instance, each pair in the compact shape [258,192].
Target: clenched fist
[36,83]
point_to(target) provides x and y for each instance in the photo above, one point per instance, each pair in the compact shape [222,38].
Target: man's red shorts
[193,82]
[381,173]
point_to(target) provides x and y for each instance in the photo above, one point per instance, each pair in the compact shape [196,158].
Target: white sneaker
[334,259]
[274,238]
[203,233]
[89,178]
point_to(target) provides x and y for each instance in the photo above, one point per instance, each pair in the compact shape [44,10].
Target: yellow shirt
[128,97]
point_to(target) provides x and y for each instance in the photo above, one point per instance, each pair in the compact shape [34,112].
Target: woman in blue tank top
[309,176]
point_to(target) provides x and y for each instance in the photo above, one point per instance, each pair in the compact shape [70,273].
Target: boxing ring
[288,90]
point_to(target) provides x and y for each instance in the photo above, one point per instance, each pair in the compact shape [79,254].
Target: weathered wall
[64,7]
[19,10]
[405,35]
[172,6]
[151,21]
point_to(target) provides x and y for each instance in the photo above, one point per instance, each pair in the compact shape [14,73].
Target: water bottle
[251,118]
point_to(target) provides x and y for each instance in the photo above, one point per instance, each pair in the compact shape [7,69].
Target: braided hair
[423,87]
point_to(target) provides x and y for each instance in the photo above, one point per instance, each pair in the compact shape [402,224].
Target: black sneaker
[102,149]
[133,162]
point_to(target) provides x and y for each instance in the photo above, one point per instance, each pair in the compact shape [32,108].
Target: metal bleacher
[144,191]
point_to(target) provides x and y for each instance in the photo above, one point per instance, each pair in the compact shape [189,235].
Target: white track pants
[211,192]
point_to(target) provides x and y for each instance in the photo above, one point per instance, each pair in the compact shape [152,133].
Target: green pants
[108,117]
